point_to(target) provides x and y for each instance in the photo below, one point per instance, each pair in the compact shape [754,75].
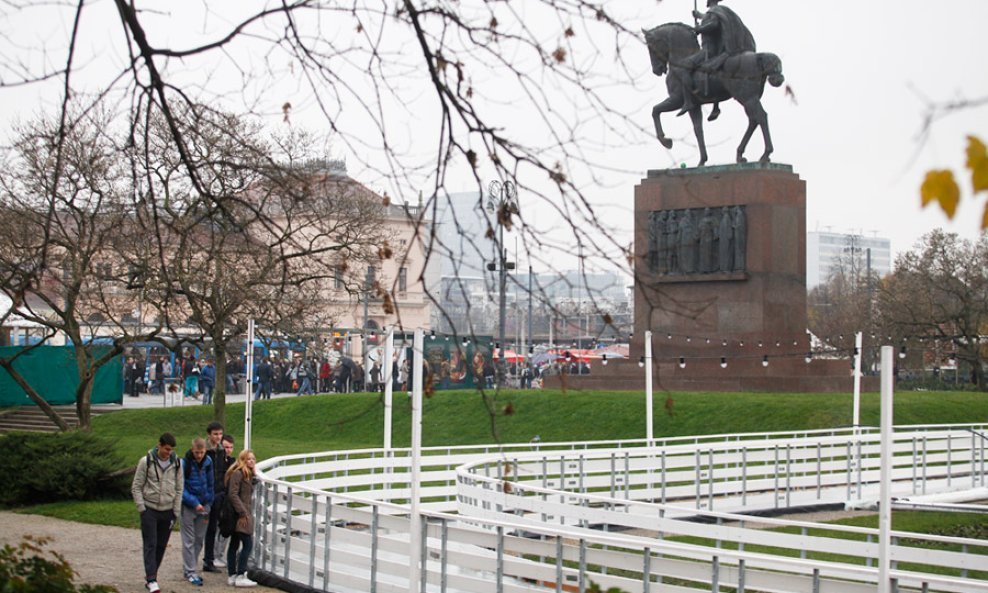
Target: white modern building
[827,251]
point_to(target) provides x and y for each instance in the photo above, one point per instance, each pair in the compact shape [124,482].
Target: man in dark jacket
[265,376]
[212,558]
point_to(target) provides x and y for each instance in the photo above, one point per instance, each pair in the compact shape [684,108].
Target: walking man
[157,491]
[197,497]
[207,381]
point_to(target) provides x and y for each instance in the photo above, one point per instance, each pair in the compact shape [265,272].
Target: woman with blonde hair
[240,482]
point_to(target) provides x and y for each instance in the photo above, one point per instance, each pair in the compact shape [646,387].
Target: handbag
[228,518]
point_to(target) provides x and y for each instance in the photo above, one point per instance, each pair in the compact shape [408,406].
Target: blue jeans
[237,563]
[207,392]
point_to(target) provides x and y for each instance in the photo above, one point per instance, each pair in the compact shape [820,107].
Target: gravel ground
[110,555]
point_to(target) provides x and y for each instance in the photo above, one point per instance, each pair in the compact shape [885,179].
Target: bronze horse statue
[741,77]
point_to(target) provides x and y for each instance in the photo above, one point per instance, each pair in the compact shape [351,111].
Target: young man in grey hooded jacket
[157,491]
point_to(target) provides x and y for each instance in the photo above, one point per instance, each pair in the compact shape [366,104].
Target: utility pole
[501,199]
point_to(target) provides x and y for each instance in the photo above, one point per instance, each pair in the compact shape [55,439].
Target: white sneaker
[219,563]
[232,580]
[243,581]
[152,587]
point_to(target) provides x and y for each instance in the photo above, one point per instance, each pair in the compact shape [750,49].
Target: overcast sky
[863,75]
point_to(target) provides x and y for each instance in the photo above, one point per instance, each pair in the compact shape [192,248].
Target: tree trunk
[219,390]
[35,397]
[84,397]
[979,375]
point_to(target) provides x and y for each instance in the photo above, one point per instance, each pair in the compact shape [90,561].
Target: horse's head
[771,66]
[670,42]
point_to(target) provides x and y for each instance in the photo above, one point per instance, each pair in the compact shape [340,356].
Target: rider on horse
[722,34]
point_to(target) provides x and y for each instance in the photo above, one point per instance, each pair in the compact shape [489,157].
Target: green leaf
[940,187]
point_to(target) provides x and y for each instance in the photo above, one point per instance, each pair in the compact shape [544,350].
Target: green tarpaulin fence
[51,371]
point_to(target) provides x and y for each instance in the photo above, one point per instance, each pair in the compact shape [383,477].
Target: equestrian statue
[723,66]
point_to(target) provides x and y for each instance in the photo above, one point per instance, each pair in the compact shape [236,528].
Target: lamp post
[501,201]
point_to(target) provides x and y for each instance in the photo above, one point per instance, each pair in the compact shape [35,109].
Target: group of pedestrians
[196,377]
[193,490]
[306,376]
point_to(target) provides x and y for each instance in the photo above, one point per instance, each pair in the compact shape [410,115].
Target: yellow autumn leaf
[977,162]
[940,187]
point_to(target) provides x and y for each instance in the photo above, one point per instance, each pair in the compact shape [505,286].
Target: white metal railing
[556,517]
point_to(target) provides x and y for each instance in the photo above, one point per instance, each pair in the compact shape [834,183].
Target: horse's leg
[670,104]
[752,124]
[752,107]
[766,136]
[696,114]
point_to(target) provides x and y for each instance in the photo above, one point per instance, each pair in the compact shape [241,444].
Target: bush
[29,569]
[41,468]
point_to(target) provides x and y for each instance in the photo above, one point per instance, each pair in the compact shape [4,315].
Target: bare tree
[939,291]
[64,205]
[262,236]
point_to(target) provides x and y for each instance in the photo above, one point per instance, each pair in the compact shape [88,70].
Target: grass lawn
[350,421]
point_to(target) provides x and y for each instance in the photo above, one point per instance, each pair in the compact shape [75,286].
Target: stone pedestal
[726,283]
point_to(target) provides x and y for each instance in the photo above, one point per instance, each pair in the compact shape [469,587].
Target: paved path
[104,555]
[145,400]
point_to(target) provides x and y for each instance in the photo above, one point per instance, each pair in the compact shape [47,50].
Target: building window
[104,271]
[403,280]
[371,276]
[338,277]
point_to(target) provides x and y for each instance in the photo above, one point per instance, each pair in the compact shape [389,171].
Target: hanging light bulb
[668,336]
[531,349]
[741,343]
[723,362]
[809,357]
[641,362]
[373,335]
[466,342]
[765,360]
[432,334]
[778,343]
[682,362]
[603,359]
[689,339]
[902,351]
[724,343]
[708,340]
[759,343]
